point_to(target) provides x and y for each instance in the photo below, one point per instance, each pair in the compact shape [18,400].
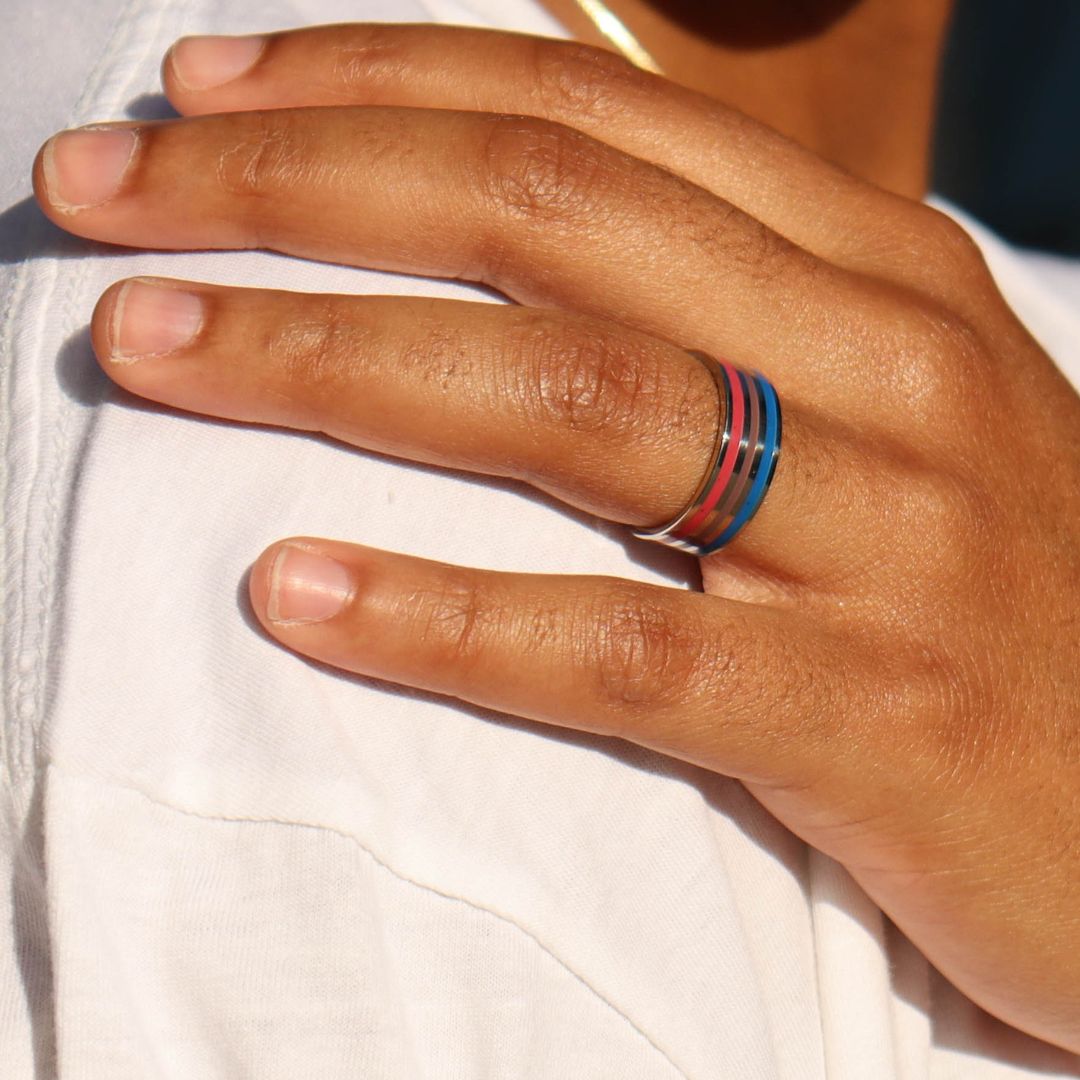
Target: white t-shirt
[220,860]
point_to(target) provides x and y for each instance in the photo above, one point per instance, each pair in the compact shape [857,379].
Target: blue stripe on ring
[764,472]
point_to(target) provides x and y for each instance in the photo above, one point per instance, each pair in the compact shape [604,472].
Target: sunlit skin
[885,656]
[852,80]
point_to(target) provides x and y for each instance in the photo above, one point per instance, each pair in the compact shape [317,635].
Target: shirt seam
[35,555]
[238,819]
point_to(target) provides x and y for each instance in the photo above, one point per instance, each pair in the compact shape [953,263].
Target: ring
[741,465]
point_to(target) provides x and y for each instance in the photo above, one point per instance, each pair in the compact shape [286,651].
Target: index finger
[792,190]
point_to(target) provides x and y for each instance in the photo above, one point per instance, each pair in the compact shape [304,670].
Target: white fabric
[222,861]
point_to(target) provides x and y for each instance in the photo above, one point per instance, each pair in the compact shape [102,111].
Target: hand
[887,656]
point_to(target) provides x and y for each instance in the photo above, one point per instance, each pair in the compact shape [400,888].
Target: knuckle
[364,60]
[453,619]
[953,517]
[582,83]
[268,157]
[441,355]
[643,651]
[950,701]
[585,379]
[538,170]
[945,373]
[944,242]
[734,241]
[318,351]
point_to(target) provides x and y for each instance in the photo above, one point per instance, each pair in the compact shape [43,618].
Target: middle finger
[539,210]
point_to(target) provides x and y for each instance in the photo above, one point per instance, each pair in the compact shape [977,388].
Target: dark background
[1007,144]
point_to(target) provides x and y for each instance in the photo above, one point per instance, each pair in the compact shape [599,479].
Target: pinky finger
[716,682]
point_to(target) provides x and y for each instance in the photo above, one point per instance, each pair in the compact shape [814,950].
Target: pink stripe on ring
[736,428]
[726,513]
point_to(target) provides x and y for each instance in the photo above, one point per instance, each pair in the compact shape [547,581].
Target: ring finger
[606,418]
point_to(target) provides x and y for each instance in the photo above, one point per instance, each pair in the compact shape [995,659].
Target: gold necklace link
[616,32]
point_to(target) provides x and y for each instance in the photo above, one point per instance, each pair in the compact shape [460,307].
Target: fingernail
[151,318]
[210,60]
[306,587]
[84,167]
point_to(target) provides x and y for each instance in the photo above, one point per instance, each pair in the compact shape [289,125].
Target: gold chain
[616,32]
